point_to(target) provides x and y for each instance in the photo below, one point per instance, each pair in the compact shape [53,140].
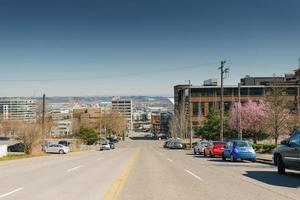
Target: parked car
[167,142]
[104,146]
[287,155]
[18,147]
[57,148]
[149,136]
[214,148]
[162,136]
[239,149]
[176,144]
[199,147]
[111,143]
[113,139]
[64,142]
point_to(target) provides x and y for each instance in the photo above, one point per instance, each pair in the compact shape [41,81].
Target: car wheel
[223,157]
[61,151]
[232,159]
[280,165]
[253,160]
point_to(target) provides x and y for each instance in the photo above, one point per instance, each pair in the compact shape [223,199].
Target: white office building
[13,108]
[124,107]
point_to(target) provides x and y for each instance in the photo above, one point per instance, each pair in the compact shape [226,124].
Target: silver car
[57,148]
[199,148]
[104,146]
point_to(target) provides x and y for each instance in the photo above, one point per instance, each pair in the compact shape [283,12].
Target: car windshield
[219,143]
[242,144]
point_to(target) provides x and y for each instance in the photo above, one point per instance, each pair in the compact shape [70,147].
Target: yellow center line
[115,189]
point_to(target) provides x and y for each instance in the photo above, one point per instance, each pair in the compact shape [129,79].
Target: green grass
[15,156]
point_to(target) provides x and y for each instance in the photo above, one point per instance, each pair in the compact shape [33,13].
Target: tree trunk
[276,140]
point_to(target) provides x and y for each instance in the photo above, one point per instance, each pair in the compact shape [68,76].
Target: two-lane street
[142,169]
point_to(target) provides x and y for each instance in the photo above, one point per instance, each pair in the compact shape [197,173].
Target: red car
[214,148]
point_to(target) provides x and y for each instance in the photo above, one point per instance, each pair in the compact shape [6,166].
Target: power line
[109,76]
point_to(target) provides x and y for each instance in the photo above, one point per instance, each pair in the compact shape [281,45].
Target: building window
[196,109]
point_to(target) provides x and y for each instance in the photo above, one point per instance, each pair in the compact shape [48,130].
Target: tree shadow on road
[291,179]
[142,138]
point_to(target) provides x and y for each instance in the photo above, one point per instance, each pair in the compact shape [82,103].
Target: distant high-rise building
[125,108]
[24,109]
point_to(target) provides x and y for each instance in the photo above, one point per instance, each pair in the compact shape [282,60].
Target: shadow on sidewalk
[291,179]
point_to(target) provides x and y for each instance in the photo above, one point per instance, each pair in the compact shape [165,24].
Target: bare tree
[115,122]
[278,113]
[178,126]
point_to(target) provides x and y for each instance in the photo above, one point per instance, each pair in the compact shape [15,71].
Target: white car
[57,148]
[199,148]
[104,146]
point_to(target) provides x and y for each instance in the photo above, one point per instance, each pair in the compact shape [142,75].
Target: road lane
[233,179]
[156,177]
[157,174]
[81,177]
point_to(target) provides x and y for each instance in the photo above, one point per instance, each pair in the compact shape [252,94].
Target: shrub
[264,148]
[88,135]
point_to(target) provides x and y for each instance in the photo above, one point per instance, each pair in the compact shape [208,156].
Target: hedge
[264,148]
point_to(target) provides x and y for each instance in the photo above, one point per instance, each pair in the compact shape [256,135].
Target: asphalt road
[142,170]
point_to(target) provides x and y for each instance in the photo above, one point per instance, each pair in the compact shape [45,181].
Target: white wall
[3,150]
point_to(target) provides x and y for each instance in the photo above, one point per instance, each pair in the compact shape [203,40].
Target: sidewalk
[264,158]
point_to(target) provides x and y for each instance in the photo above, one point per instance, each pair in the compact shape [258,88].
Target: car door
[50,148]
[291,154]
[228,149]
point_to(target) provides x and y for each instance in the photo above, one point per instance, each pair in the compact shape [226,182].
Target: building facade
[165,118]
[195,106]
[125,108]
[24,109]
[87,117]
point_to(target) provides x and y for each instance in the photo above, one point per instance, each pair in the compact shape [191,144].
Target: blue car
[239,149]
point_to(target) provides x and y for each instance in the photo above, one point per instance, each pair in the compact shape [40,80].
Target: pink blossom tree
[249,117]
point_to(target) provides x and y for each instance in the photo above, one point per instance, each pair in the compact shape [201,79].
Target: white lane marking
[100,158]
[74,168]
[194,175]
[170,160]
[10,193]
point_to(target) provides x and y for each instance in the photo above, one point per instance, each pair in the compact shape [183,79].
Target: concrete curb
[264,161]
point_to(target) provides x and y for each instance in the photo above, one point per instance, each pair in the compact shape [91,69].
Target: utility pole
[43,116]
[239,115]
[223,71]
[190,112]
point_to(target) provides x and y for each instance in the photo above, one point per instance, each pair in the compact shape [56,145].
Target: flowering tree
[249,117]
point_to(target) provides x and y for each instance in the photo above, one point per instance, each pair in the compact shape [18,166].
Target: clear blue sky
[64,39]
